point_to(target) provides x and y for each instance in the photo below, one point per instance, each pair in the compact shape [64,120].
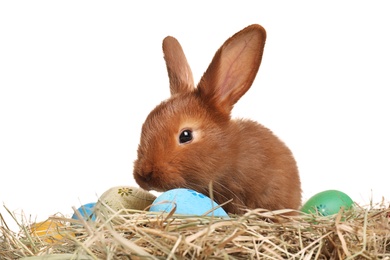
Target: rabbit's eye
[185,136]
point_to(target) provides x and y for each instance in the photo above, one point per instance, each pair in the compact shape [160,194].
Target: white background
[78,78]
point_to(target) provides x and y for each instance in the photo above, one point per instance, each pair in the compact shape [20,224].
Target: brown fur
[244,161]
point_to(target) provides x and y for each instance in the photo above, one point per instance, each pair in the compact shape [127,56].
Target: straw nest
[359,233]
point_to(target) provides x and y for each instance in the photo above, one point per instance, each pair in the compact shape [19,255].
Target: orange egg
[49,230]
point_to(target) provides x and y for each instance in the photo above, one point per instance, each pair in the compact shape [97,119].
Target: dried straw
[359,233]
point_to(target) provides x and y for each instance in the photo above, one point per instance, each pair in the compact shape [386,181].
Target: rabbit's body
[190,141]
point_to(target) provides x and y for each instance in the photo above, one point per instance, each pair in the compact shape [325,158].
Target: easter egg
[86,211]
[327,203]
[48,231]
[124,197]
[186,202]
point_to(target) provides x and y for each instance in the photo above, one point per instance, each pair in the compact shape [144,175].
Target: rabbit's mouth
[145,181]
[159,188]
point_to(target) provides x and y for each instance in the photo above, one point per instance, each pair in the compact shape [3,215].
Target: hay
[359,233]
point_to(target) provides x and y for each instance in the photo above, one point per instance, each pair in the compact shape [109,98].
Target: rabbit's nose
[146,176]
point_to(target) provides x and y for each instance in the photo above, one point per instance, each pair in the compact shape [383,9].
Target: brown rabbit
[190,140]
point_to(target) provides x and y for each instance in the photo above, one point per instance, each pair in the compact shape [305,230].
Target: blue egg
[86,211]
[187,202]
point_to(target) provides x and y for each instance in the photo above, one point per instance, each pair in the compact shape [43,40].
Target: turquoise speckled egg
[327,203]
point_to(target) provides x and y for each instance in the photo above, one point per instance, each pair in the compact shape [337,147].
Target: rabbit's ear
[233,68]
[179,72]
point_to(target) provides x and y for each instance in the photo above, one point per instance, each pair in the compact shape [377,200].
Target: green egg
[327,203]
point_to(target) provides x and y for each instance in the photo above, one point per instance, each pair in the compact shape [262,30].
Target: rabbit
[190,140]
